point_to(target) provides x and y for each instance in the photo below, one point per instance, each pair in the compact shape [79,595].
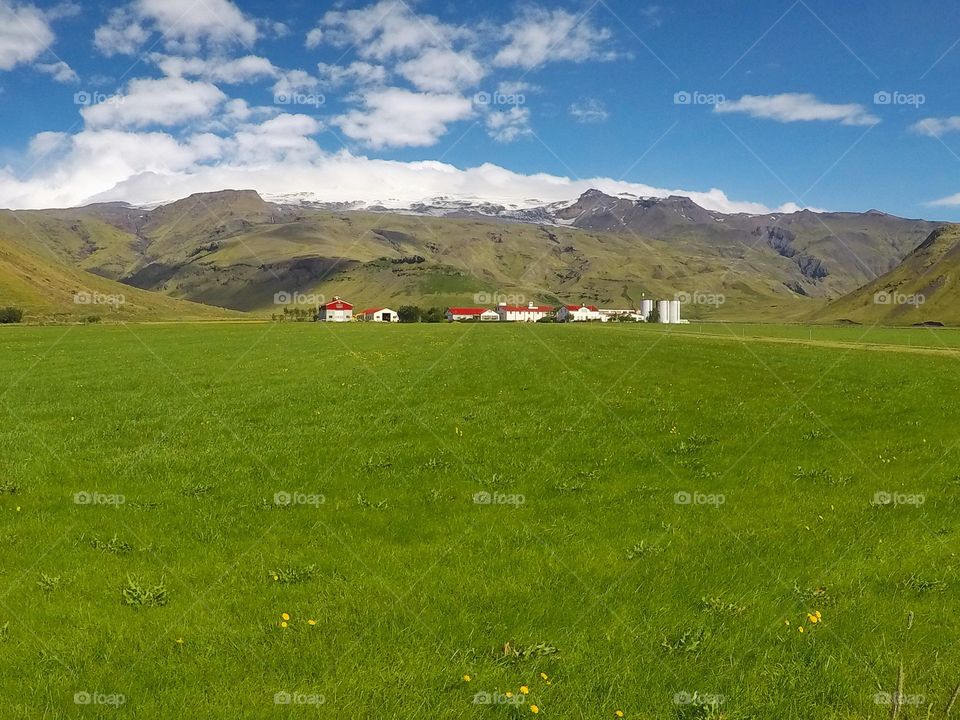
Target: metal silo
[646,309]
[663,310]
[674,312]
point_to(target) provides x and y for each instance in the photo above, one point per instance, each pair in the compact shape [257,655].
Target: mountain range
[236,250]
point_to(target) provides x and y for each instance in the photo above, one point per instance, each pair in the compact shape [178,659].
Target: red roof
[574,308]
[526,308]
[338,304]
[467,311]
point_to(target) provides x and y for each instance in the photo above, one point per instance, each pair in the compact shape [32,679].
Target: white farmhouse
[379,315]
[578,313]
[476,314]
[523,313]
[621,315]
[336,311]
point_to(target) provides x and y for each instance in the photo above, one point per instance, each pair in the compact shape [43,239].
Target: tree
[10,315]
[409,313]
[435,315]
[654,315]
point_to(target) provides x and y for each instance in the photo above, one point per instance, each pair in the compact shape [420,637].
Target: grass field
[647,516]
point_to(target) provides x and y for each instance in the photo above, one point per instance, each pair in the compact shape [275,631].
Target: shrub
[10,315]
[409,314]
[435,315]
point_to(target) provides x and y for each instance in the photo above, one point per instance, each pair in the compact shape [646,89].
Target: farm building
[523,313]
[378,315]
[578,313]
[621,315]
[337,310]
[478,314]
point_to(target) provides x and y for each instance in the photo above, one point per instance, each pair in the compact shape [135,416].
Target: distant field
[646,515]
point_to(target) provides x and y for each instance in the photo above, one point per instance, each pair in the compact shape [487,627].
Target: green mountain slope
[924,288]
[48,289]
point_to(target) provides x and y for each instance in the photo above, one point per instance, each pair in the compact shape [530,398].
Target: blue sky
[742,105]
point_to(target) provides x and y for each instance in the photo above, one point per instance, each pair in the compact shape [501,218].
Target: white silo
[663,310]
[646,309]
[674,312]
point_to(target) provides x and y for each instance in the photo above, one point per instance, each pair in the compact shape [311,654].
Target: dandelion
[534,709]
[509,694]
[801,628]
[311,622]
[544,676]
[524,689]
[285,616]
[819,616]
[180,641]
[466,678]
[276,577]
[283,624]
[618,713]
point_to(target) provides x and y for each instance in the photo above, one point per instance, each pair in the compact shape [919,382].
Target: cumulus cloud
[358,73]
[59,71]
[798,107]
[442,70]
[539,36]
[167,101]
[937,127]
[589,111]
[248,68]
[25,33]
[184,25]
[396,117]
[386,29]
[509,125]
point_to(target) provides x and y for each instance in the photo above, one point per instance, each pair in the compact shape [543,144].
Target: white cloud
[185,26]
[589,111]
[314,38]
[951,201]
[25,33]
[442,70]
[168,101]
[395,117]
[295,81]
[937,127]
[509,125]
[59,71]
[279,156]
[249,68]
[358,73]
[798,107]
[386,29]
[539,36]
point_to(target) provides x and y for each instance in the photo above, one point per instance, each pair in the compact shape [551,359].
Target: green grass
[382,437]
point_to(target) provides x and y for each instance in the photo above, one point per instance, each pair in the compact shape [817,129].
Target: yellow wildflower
[534,709]
[283,624]
[285,616]
[311,622]
[524,689]
[466,678]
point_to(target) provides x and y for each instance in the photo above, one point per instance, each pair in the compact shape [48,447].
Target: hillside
[48,289]
[925,288]
[235,250]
